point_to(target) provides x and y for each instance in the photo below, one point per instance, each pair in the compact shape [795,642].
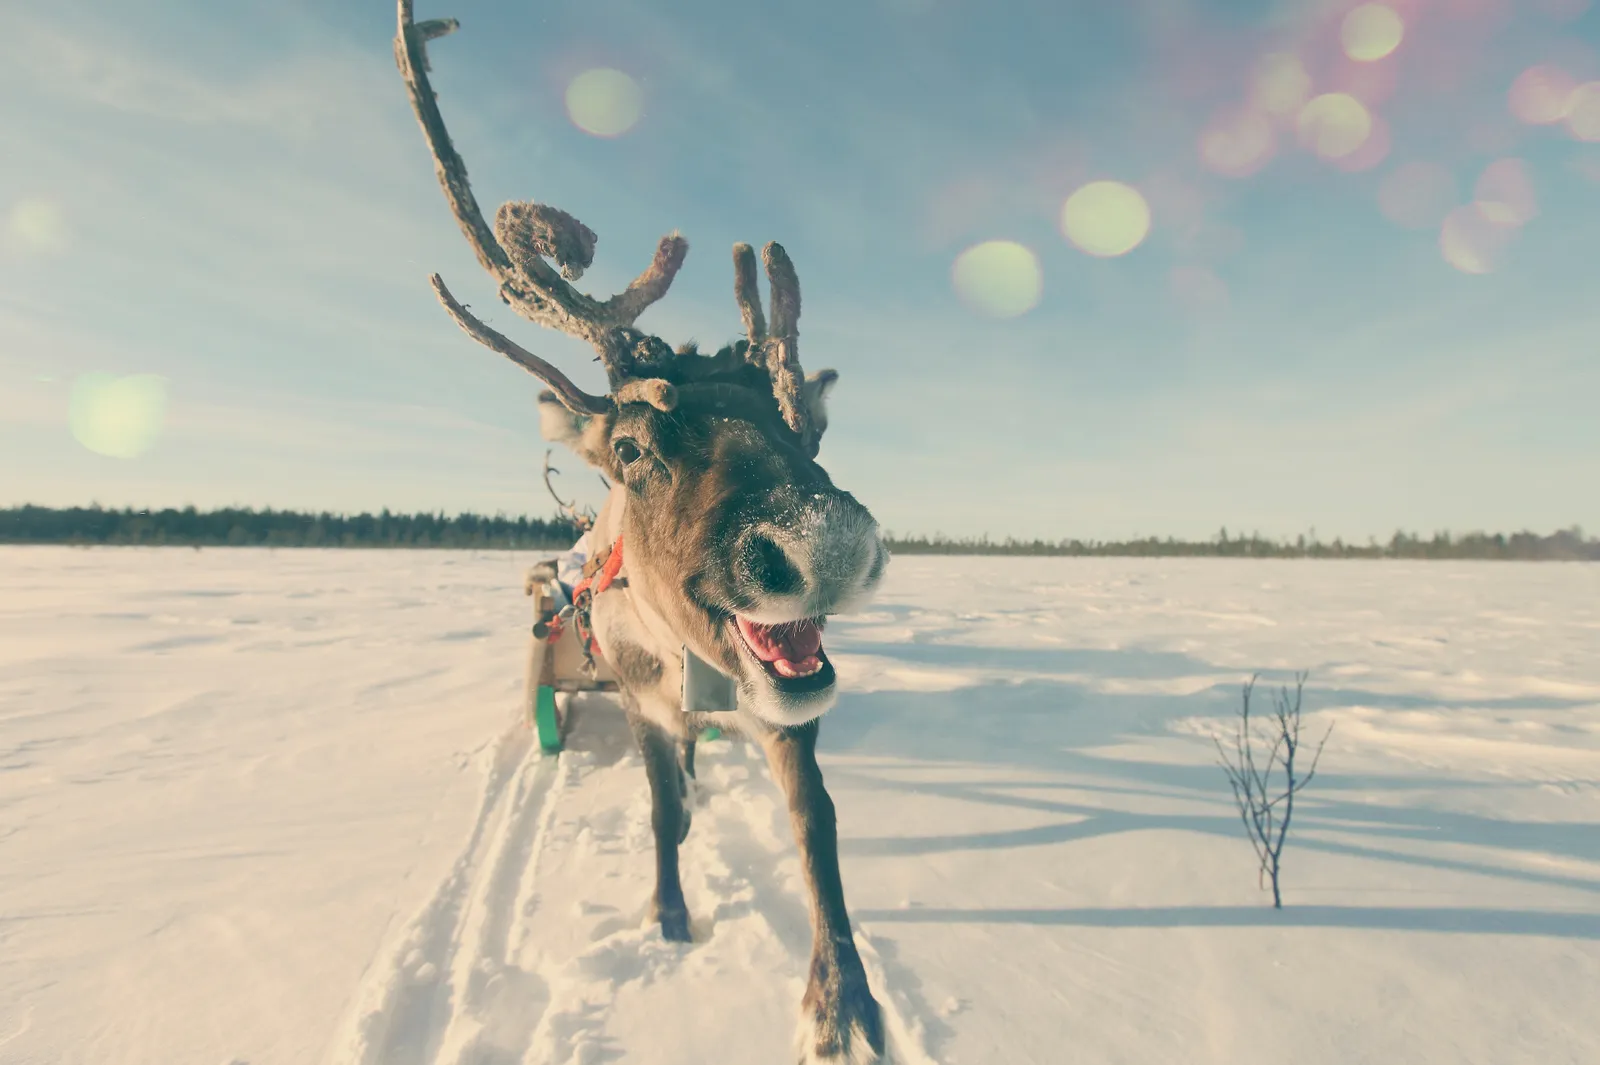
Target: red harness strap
[608,572]
[583,600]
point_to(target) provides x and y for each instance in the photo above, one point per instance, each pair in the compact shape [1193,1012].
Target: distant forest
[244,527]
[1566,545]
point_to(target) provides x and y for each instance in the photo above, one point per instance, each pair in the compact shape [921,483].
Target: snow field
[271,807]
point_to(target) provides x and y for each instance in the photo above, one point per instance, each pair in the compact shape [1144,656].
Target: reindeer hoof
[674,924]
[840,1024]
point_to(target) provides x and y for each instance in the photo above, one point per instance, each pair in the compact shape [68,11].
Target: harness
[599,573]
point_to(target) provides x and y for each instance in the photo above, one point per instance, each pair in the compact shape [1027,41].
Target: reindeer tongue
[793,643]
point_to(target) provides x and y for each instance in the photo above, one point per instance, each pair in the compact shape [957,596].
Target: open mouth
[790,652]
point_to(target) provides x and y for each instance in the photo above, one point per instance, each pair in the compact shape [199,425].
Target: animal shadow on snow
[597,727]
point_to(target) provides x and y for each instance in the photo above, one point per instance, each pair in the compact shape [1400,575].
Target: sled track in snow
[435,977]
[536,948]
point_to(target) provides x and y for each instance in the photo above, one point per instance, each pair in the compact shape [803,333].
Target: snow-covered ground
[272,808]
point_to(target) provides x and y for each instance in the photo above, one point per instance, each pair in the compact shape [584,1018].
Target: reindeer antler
[777,352]
[584,520]
[749,298]
[525,235]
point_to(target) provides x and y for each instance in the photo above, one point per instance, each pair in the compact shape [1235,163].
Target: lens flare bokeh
[1542,95]
[1238,143]
[1504,193]
[1371,32]
[1105,219]
[37,225]
[1583,112]
[604,102]
[1374,84]
[998,278]
[1334,125]
[1280,85]
[117,416]
[1471,241]
[1371,152]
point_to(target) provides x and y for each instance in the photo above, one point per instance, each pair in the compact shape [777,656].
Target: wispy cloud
[97,66]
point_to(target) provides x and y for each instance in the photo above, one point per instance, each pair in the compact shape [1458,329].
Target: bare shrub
[1266,816]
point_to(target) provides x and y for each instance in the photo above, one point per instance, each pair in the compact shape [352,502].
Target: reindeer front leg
[840,1021]
[670,821]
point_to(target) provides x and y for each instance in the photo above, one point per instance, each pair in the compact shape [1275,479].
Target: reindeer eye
[627,451]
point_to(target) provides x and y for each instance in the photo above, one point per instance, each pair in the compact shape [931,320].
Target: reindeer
[737,544]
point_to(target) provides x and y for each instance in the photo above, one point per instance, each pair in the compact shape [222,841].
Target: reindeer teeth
[806,667]
[790,653]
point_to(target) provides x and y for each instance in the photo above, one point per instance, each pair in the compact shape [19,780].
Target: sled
[557,669]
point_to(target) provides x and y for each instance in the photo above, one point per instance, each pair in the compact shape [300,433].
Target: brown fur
[637,668]
[725,516]
[725,457]
[722,459]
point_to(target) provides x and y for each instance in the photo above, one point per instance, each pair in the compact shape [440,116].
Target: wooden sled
[558,670]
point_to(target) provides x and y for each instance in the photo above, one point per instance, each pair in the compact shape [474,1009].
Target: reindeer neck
[649,625]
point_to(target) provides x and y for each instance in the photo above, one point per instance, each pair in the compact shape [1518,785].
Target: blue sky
[236,198]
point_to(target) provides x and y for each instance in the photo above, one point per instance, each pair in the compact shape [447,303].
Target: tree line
[1564,545]
[246,527]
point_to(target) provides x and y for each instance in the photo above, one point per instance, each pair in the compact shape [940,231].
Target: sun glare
[1542,95]
[37,225]
[1371,152]
[604,102]
[1471,241]
[1280,85]
[1105,218]
[118,416]
[1583,113]
[1237,143]
[999,278]
[1504,193]
[1334,125]
[1371,32]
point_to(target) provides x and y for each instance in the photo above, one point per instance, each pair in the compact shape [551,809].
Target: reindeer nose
[766,565]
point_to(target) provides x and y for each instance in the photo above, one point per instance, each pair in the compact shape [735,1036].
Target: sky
[1086,270]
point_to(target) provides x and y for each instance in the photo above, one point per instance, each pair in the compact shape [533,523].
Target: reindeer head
[737,542]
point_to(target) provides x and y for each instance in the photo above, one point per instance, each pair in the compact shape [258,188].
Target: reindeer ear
[557,424]
[815,394]
[587,435]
